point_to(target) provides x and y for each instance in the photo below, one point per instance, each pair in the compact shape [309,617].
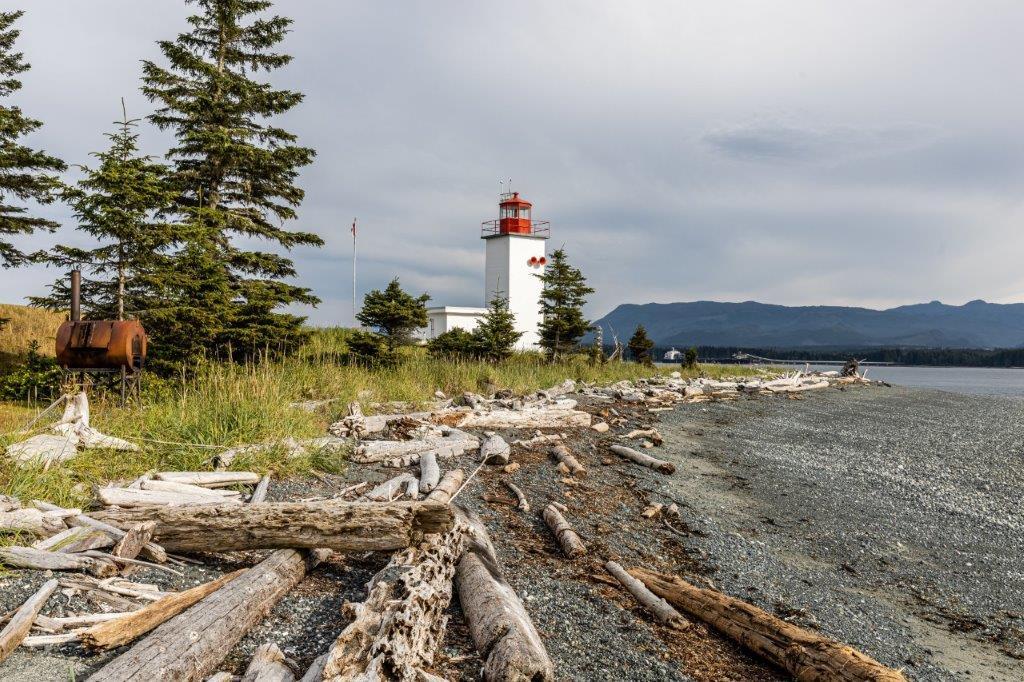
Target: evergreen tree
[394,313]
[561,303]
[116,203]
[495,336]
[25,174]
[690,357]
[456,343]
[234,171]
[640,346]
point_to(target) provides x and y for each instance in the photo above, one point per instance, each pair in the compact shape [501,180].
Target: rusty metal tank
[101,344]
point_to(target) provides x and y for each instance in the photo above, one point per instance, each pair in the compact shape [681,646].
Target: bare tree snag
[805,655]
[562,454]
[569,539]
[114,633]
[134,540]
[21,622]
[41,560]
[524,504]
[448,486]
[396,631]
[661,609]
[267,665]
[430,473]
[644,459]
[260,493]
[150,550]
[501,628]
[332,524]
[192,644]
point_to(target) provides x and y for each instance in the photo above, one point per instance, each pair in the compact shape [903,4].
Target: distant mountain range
[758,325]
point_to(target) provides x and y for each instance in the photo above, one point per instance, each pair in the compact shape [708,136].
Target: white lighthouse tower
[515,255]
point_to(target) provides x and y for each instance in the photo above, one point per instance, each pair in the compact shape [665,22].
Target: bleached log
[50,640]
[659,608]
[131,498]
[539,439]
[391,489]
[208,478]
[187,489]
[562,454]
[395,633]
[805,655]
[644,459]
[29,520]
[315,673]
[41,560]
[113,633]
[267,665]
[570,541]
[291,447]
[448,486]
[494,449]
[75,539]
[430,473]
[412,488]
[548,417]
[451,445]
[646,433]
[134,540]
[524,504]
[18,628]
[260,493]
[332,524]
[55,625]
[224,676]
[499,623]
[796,388]
[193,643]
[150,550]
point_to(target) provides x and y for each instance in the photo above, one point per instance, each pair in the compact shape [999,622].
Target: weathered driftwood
[135,538]
[451,445]
[208,478]
[570,541]
[332,524]
[524,504]
[132,497]
[50,640]
[42,560]
[150,550]
[430,472]
[805,655]
[55,625]
[260,493]
[498,621]
[267,665]
[659,608]
[556,416]
[395,633]
[562,454]
[75,539]
[29,520]
[494,449]
[391,489]
[448,486]
[315,672]
[21,622]
[114,633]
[653,434]
[223,677]
[192,644]
[412,488]
[644,459]
[187,489]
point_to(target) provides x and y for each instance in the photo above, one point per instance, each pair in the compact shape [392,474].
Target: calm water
[973,380]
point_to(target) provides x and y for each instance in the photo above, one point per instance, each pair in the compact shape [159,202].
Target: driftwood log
[137,497]
[208,479]
[644,459]
[330,524]
[186,489]
[75,539]
[430,472]
[267,665]
[150,550]
[663,612]
[501,628]
[135,538]
[260,493]
[42,560]
[805,655]
[494,449]
[391,489]
[191,645]
[114,633]
[395,633]
[29,520]
[448,486]
[568,538]
[21,622]
[562,454]
[556,416]
[523,504]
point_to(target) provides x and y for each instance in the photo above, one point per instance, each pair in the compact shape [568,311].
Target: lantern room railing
[538,228]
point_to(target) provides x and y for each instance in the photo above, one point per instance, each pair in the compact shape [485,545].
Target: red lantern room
[515,217]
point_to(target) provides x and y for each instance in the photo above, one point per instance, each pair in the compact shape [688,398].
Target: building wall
[441,320]
[508,271]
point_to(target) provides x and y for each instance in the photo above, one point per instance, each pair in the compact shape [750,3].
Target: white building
[515,255]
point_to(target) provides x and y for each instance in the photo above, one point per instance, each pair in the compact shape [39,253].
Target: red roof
[515,201]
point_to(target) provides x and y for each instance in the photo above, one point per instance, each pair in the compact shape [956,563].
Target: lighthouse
[515,255]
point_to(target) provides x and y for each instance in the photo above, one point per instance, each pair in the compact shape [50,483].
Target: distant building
[514,254]
[672,356]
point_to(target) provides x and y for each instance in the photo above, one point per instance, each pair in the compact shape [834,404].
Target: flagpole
[355,322]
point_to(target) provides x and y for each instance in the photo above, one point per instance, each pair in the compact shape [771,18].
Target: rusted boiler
[99,344]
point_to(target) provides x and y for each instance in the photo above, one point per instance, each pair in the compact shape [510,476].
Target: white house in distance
[515,254]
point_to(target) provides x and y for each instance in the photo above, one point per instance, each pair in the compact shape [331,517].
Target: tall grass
[25,325]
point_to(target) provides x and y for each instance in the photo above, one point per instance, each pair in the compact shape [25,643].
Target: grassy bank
[180,420]
[23,326]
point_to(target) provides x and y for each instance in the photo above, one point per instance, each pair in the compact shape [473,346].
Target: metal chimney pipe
[76,295]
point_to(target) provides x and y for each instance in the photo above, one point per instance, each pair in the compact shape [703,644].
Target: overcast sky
[861,153]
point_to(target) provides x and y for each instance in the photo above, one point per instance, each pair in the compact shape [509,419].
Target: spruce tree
[561,303]
[640,345]
[495,337]
[234,170]
[25,174]
[116,203]
[394,313]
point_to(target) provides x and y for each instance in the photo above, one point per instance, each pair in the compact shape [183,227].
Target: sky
[792,152]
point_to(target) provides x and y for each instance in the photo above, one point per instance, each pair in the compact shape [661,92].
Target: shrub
[690,357]
[368,349]
[39,377]
[455,343]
